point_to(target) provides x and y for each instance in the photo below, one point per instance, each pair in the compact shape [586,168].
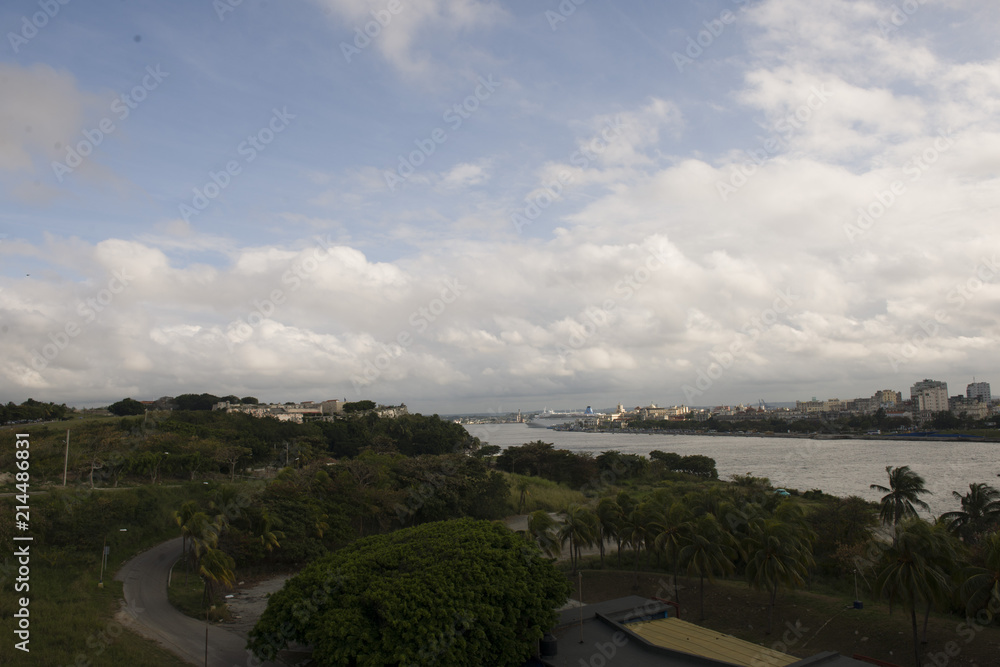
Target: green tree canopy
[126,406]
[195,401]
[359,406]
[461,592]
[902,496]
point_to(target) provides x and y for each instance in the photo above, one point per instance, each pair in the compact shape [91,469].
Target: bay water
[838,467]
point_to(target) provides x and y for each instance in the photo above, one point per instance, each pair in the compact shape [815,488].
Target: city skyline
[467,205]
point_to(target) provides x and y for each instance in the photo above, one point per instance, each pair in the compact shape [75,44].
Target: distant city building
[930,395]
[886,398]
[972,408]
[979,391]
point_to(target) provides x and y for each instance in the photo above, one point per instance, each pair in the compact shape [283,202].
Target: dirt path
[248,604]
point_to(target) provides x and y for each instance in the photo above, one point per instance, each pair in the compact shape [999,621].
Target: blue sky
[493,205]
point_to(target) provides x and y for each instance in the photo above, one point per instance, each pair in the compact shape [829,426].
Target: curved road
[145,588]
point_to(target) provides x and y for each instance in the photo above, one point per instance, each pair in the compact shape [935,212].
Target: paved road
[145,586]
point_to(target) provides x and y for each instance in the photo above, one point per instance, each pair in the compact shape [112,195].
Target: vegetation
[446,593]
[127,406]
[31,411]
[366,476]
[902,496]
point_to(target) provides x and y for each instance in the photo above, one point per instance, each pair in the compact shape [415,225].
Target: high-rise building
[979,391]
[930,395]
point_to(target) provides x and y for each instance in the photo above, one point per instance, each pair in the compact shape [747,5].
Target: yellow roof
[678,635]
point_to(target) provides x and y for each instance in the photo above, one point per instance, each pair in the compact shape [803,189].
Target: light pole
[104,556]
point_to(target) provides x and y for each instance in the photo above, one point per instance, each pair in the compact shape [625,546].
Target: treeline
[305,513]
[32,411]
[185,445]
[744,529]
[542,459]
[944,420]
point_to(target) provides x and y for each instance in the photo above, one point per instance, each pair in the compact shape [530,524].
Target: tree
[776,554]
[981,584]
[522,486]
[216,568]
[182,518]
[907,574]
[446,593]
[901,496]
[609,521]
[542,528]
[359,406]
[127,406]
[195,401]
[980,512]
[707,553]
[635,531]
[231,455]
[580,529]
[671,530]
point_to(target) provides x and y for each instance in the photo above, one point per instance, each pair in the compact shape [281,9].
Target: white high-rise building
[930,395]
[979,391]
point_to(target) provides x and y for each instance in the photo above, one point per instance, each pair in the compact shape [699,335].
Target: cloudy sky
[468,205]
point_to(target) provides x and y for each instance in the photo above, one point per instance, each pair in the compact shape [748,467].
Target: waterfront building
[929,395]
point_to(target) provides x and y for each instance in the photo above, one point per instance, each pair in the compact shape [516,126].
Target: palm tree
[580,529]
[261,526]
[609,519]
[707,553]
[522,486]
[634,532]
[942,554]
[216,567]
[980,512]
[541,528]
[981,586]
[776,554]
[908,574]
[901,497]
[671,534]
[182,518]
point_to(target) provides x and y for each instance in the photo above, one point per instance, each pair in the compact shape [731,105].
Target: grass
[186,592]
[542,494]
[73,622]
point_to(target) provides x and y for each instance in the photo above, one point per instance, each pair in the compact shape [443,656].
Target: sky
[472,206]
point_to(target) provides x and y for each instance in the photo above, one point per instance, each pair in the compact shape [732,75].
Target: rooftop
[643,632]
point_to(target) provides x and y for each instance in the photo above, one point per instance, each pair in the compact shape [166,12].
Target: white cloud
[403,36]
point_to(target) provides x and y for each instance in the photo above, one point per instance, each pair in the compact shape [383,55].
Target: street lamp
[104,556]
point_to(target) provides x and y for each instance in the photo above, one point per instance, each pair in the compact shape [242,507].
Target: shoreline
[902,437]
